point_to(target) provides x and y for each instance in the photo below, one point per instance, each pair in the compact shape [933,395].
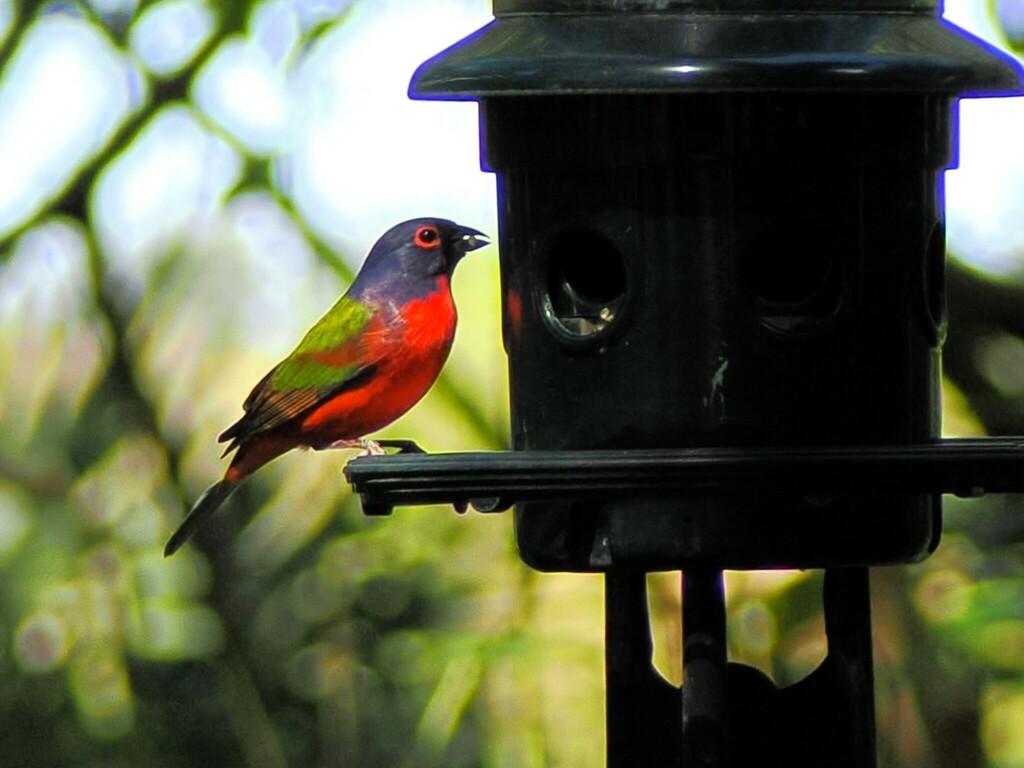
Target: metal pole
[705,713]
[643,709]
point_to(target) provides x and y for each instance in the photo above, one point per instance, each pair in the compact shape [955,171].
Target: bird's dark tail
[208,503]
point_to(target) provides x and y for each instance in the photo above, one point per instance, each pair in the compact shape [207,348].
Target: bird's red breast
[412,347]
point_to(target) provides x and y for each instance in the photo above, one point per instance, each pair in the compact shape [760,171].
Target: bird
[366,362]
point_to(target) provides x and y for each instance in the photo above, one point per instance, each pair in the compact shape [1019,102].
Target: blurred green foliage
[296,631]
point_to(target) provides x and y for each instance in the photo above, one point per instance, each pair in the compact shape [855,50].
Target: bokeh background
[185,186]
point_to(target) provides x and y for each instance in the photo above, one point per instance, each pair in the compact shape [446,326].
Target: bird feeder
[722,260]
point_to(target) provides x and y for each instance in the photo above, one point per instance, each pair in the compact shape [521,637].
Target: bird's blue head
[411,257]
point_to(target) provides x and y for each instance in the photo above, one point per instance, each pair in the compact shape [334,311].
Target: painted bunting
[362,365]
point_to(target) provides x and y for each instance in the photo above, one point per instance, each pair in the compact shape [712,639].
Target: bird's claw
[401,445]
[377,447]
[369,447]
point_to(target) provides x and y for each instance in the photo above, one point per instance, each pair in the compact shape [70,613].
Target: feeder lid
[565,47]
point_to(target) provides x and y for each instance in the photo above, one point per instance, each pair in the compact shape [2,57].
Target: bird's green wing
[331,351]
[331,358]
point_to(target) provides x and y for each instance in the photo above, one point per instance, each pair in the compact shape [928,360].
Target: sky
[985,194]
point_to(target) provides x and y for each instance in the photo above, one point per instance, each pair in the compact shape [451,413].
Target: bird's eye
[427,237]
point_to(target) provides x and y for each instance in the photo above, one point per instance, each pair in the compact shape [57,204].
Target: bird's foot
[376,447]
[369,447]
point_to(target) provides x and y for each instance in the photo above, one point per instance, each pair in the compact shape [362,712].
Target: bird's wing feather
[260,385]
[273,407]
[337,353]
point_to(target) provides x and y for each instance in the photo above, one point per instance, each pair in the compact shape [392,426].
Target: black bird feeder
[722,259]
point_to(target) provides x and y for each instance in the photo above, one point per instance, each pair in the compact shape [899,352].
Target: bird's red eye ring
[427,237]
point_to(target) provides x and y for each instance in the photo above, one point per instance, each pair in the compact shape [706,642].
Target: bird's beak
[470,239]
